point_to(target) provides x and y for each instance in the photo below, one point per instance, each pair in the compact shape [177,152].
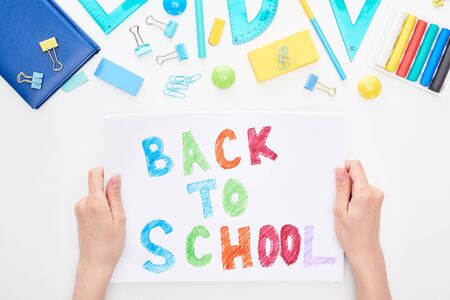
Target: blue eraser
[171,29]
[119,77]
[311,82]
[143,49]
[181,51]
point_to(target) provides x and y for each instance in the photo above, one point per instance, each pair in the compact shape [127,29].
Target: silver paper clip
[168,29]
[52,44]
[35,80]
[142,47]
[180,53]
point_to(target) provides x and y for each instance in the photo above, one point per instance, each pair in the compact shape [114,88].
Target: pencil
[323,39]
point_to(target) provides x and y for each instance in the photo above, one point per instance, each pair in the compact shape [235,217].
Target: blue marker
[435,56]
[201,43]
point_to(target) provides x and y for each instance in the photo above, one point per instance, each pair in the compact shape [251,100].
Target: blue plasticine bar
[435,57]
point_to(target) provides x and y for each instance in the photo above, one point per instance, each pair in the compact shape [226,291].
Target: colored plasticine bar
[423,53]
[413,46]
[401,43]
[442,71]
[119,77]
[435,57]
[384,52]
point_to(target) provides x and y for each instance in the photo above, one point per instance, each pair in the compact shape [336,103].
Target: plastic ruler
[242,30]
[108,22]
[353,33]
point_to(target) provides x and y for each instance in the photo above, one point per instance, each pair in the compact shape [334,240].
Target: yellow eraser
[216,32]
[283,56]
[48,44]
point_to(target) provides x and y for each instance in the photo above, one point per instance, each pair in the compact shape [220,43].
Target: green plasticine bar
[423,53]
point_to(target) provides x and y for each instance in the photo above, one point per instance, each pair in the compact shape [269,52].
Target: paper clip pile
[178,84]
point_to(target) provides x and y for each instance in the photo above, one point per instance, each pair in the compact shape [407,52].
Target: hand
[101,235]
[357,221]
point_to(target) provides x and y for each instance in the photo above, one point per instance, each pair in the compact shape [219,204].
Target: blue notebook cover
[25,23]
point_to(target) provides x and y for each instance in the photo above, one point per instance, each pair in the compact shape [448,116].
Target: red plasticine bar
[411,51]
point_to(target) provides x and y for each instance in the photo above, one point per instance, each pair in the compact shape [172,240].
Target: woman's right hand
[357,221]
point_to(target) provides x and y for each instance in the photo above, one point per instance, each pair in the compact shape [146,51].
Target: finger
[343,191]
[80,208]
[378,194]
[113,193]
[357,174]
[95,181]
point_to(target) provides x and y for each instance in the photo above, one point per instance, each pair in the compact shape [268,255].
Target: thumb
[343,191]
[113,193]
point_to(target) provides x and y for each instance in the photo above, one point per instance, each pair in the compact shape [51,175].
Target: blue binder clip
[180,53]
[142,47]
[169,29]
[313,83]
[35,80]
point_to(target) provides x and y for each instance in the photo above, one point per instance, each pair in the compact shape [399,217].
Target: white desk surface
[402,138]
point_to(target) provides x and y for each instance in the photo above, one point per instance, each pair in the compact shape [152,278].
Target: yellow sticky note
[48,44]
[283,56]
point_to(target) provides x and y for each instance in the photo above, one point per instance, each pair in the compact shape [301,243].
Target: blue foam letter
[204,187]
[155,249]
[154,155]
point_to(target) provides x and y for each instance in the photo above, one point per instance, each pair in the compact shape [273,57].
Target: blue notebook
[26,23]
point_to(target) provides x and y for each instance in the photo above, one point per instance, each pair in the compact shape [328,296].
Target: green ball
[223,77]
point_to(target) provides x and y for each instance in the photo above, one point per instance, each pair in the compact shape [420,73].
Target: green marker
[424,50]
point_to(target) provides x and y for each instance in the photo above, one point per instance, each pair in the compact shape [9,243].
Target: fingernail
[116,180]
[341,174]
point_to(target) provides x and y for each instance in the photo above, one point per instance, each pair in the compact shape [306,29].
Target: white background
[402,139]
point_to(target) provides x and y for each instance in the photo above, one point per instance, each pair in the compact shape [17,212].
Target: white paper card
[227,196]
